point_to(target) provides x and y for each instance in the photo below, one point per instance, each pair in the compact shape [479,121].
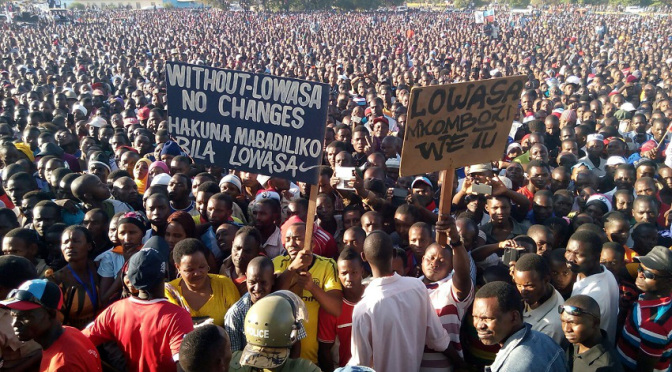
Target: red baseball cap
[143,113]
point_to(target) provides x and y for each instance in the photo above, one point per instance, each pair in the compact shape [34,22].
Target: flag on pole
[489,16]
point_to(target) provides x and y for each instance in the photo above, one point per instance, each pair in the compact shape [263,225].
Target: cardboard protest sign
[449,126]
[251,122]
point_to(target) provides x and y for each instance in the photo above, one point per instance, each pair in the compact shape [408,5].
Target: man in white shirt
[593,279]
[594,147]
[532,277]
[382,338]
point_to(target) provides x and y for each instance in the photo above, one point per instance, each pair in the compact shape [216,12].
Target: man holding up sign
[454,125]
[316,275]
[267,125]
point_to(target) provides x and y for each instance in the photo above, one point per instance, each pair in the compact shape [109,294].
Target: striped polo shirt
[648,327]
[450,312]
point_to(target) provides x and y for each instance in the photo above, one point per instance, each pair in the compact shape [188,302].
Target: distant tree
[76,6]
[518,3]
[624,2]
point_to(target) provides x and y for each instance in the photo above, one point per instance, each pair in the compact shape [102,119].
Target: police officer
[271,328]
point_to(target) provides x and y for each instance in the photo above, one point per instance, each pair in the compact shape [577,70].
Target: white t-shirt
[603,288]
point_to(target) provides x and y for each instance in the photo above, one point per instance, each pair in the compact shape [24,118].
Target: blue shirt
[528,350]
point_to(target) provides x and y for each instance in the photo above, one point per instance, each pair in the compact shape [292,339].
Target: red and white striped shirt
[450,312]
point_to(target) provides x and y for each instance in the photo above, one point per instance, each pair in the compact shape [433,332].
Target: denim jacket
[528,350]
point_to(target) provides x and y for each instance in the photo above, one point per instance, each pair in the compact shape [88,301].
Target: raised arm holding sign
[454,125]
[250,122]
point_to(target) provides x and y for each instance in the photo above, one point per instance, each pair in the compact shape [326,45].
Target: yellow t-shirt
[224,295]
[324,275]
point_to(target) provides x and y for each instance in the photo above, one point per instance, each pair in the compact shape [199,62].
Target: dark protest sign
[251,122]
[450,126]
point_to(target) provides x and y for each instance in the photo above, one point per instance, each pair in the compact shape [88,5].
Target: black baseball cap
[146,268]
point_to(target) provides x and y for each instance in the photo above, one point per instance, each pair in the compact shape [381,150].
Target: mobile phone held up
[481,189]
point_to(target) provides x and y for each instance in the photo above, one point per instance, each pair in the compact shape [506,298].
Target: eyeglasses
[649,275]
[22,295]
[574,311]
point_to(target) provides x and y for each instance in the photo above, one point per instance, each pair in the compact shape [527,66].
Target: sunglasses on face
[649,275]
[574,311]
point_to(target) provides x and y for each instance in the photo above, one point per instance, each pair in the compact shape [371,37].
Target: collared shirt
[648,328]
[545,318]
[516,229]
[273,245]
[598,169]
[603,288]
[234,323]
[643,137]
[377,326]
[601,357]
[527,350]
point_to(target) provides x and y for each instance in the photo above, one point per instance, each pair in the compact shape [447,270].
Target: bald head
[83,184]
[259,264]
[378,248]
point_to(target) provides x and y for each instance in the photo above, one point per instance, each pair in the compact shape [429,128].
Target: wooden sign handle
[308,238]
[447,177]
[310,217]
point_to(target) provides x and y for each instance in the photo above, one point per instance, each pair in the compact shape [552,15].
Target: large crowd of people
[120,253]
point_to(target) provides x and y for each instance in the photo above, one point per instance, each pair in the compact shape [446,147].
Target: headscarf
[25,148]
[134,218]
[159,164]
[568,116]
[143,182]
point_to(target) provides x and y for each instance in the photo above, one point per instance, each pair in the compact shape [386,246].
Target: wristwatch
[456,243]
